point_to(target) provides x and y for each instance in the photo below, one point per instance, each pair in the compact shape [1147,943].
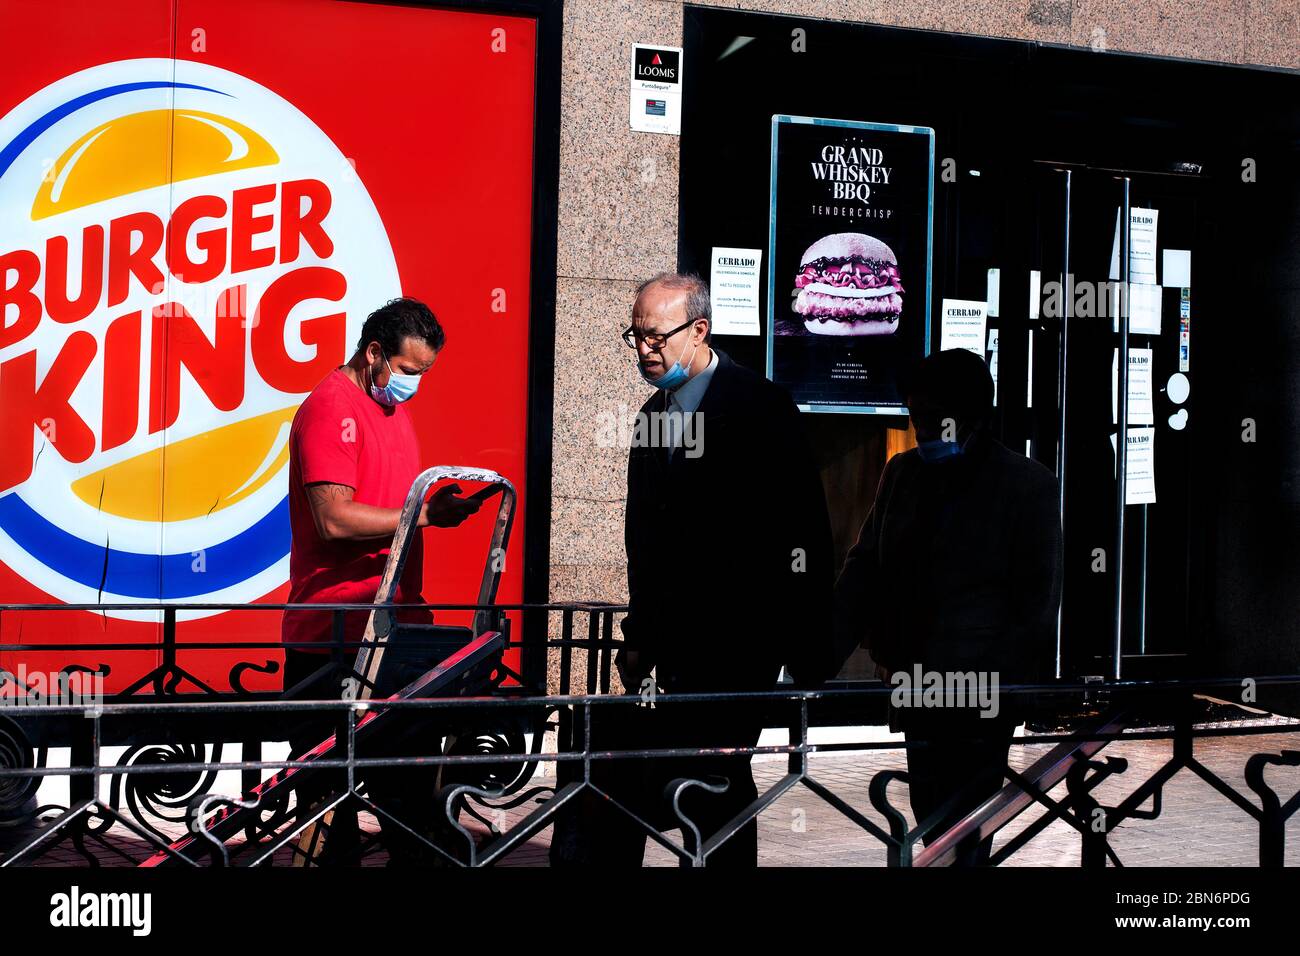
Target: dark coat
[958,566]
[718,596]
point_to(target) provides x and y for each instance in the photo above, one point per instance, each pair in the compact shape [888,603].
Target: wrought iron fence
[156,805]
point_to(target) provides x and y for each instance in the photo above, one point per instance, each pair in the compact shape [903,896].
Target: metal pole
[1121,438]
[1142,594]
[1062,371]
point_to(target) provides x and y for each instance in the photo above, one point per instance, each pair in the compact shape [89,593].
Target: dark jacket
[958,566]
[729,553]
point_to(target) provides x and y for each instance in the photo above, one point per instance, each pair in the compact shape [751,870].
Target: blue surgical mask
[400,387]
[674,376]
[936,449]
[941,449]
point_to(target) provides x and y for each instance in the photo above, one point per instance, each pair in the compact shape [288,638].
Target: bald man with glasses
[729,574]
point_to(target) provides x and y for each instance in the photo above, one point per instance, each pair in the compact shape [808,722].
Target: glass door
[1110,275]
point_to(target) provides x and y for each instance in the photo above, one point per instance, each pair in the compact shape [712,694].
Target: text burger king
[198,256]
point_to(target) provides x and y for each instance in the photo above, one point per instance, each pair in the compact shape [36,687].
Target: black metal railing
[161,810]
[169,678]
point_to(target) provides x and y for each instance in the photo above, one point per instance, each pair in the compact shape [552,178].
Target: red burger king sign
[200,202]
[196,255]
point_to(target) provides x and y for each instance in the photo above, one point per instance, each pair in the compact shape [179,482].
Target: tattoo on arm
[355,522]
[323,494]
[324,497]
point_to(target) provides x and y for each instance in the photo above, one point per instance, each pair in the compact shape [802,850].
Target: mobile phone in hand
[486,492]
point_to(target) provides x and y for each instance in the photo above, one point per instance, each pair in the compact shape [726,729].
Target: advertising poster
[848,261]
[195,221]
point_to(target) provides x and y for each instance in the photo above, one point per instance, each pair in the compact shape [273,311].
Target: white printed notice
[1176,268]
[994,293]
[733,287]
[993,362]
[1142,245]
[1029,378]
[1143,308]
[1139,466]
[1140,409]
[963,325]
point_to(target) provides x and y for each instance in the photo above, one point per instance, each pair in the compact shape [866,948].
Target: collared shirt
[687,396]
[684,400]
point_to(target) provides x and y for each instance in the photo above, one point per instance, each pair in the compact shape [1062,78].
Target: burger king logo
[184,256]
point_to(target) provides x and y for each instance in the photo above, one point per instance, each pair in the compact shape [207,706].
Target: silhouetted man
[729,569]
[957,571]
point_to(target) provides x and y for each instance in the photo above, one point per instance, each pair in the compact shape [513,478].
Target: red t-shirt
[342,436]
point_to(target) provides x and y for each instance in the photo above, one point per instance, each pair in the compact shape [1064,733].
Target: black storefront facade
[1037,147]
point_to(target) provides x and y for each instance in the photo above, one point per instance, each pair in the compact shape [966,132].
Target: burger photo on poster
[848,284]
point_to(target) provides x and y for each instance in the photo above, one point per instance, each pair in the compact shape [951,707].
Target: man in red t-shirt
[353,456]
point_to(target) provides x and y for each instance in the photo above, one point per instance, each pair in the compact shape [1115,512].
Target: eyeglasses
[654,340]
